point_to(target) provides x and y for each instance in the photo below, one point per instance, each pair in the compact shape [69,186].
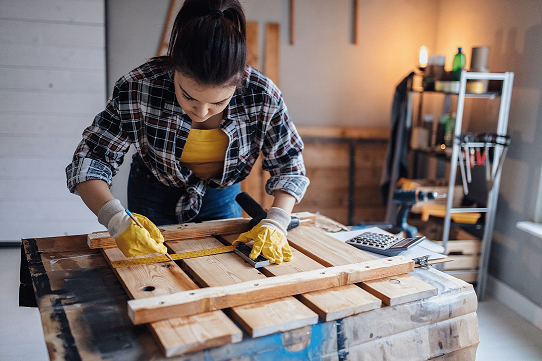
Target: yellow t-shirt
[204,152]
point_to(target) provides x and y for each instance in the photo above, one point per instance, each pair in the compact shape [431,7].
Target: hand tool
[242,250]
[253,209]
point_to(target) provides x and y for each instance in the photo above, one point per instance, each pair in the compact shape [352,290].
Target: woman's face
[201,102]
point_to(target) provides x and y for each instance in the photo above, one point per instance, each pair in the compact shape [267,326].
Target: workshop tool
[241,250]
[470,155]
[253,209]
[407,199]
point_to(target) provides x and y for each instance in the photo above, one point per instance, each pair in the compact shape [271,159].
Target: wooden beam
[291,21]
[399,289]
[272,54]
[177,335]
[252,44]
[344,133]
[325,249]
[329,304]
[354,22]
[181,231]
[258,319]
[216,298]
[177,232]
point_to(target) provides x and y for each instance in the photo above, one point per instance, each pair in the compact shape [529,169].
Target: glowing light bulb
[424,56]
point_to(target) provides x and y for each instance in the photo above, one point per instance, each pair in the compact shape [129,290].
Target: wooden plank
[299,262]
[344,132]
[193,230]
[181,231]
[331,251]
[324,248]
[214,298]
[399,289]
[340,302]
[328,304]
[280,315]
[258,319]
[271,57]
[177,335]
[252,44]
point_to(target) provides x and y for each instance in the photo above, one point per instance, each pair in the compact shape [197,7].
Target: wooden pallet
[197,303]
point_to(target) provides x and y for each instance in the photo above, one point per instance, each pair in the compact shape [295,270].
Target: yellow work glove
[131,239]
[269,237]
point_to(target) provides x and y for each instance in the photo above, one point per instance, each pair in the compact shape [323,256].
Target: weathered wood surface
[258,319]
[177,335]
[83,312]
[324,248]
[215,298]
[329,304]
[399,289]
[330,251]
[194,230]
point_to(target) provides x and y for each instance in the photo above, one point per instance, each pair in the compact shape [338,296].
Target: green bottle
[458,64]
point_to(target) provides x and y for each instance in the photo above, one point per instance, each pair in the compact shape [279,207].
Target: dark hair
[208,42]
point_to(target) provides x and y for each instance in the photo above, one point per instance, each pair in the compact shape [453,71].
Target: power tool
[406,199]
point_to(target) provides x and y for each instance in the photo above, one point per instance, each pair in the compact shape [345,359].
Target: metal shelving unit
[499,153]
[500,129]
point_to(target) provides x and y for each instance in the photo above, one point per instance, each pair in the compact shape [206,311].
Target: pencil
[134,218]
[140,225]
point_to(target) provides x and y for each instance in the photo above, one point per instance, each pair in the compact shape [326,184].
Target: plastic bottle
[449,129]
[458,65]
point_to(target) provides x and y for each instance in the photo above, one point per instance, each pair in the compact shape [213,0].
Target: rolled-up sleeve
[102,148]
[282,149]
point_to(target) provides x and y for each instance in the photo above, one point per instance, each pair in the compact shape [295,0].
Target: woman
[198,118]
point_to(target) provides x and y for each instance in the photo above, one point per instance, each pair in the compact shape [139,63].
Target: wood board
[329,304]
[73,282]
[193,230]
[324,290]
[215,298]
[258,319]
[177,335]
[330,251]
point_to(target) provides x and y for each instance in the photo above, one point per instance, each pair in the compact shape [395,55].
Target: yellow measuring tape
[175,256]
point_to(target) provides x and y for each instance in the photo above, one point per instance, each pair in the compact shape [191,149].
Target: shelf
[488,95]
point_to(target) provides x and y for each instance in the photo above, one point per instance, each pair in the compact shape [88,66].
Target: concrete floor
[503,334]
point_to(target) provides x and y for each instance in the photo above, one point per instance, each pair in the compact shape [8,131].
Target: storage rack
[501,129]
[493,194]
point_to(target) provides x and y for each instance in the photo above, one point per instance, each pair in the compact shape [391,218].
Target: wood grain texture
[214,298]
[328,304]
[252,44]
[259,318]
[399,289]
[271,66]
[340,302]
[324,248]
[181,231]
[264,318]
[177,335]
[328,250]
[194,230]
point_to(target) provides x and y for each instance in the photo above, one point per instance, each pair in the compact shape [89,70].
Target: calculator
[386,244]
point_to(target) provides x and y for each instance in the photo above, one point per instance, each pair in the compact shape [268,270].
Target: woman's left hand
[269,241]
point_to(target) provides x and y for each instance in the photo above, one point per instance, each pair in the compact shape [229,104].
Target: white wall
[52,66]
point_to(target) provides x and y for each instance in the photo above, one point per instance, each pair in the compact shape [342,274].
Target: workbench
[84,314]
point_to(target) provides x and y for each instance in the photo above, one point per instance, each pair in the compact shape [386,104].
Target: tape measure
[175,256]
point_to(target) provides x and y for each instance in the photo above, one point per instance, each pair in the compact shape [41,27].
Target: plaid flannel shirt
[144,111]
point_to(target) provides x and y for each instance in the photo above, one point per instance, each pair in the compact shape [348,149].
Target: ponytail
[208,42]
